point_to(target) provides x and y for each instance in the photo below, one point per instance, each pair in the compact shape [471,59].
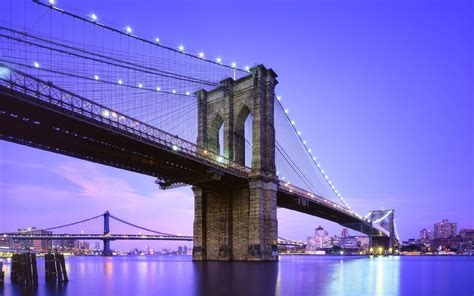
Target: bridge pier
[382,245]
[238,224]
[238,221]
[106,249]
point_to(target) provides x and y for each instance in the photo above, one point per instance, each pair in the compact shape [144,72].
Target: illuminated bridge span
[71,231]
[109,96]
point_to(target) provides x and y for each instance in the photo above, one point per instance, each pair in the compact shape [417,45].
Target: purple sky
[383,88]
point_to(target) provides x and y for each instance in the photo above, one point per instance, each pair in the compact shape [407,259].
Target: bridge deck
[26,120]
[62,123]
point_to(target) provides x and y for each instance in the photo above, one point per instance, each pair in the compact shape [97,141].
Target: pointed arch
[213,135]
[243,153]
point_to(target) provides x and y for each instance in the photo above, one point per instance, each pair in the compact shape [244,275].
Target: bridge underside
[26,121]
[311,207]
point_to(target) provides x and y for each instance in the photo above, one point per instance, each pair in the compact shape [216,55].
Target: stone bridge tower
[238,222]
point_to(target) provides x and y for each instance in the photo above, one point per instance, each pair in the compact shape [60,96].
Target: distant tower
[345,232]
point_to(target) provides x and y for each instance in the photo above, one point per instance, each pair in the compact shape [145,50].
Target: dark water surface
[293,275]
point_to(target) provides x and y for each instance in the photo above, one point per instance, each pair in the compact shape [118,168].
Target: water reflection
[213,278]
[293,275]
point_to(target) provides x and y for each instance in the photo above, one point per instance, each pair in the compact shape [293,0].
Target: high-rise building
[38,245]
[345,232]
[426,235]
[321,240]
[444,229]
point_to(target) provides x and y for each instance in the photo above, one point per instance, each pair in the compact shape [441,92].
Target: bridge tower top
[384,218]
[229,105]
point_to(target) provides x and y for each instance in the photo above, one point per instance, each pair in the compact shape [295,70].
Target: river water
[292,275]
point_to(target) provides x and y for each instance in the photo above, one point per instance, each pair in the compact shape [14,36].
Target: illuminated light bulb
[187,93]
[205,151]
[314,157]
[119,81]
[286,111]
[220,159]
[140,85]
[322,172]
[174,147]
[283,177]
[173,91]
[157,39]
[309,150]
[218,60]
[129,29]
[36,64]
[94,17]
[330,182]
[293,122]
[326,177]
[52,2]
[233,65]
[181,48]
[278,98]
[247,68]
[158,88]
[299,133]
[96,77]
[105,113]
[201,55]
[318,165]
[4,72]
[304,142]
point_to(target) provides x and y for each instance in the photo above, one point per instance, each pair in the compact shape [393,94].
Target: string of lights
[312,156]
[93,19]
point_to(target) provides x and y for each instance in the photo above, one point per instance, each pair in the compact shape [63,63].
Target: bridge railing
[47,92]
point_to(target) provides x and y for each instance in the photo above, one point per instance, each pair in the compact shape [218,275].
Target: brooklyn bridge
[106,95]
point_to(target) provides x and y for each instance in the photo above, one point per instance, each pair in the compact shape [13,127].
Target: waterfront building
[349,242]
[364,242]
[38,245]
[345,232]
[445,229]
[467,233]
[82,245]
[66,244]
[6,243]
[319,241]
[426,235]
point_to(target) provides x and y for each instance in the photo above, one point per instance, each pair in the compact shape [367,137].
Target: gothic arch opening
[244,137]
[216,135]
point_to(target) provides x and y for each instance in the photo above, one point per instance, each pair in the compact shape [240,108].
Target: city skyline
[380,139]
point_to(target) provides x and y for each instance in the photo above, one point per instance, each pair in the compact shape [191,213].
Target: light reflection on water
[293,275]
